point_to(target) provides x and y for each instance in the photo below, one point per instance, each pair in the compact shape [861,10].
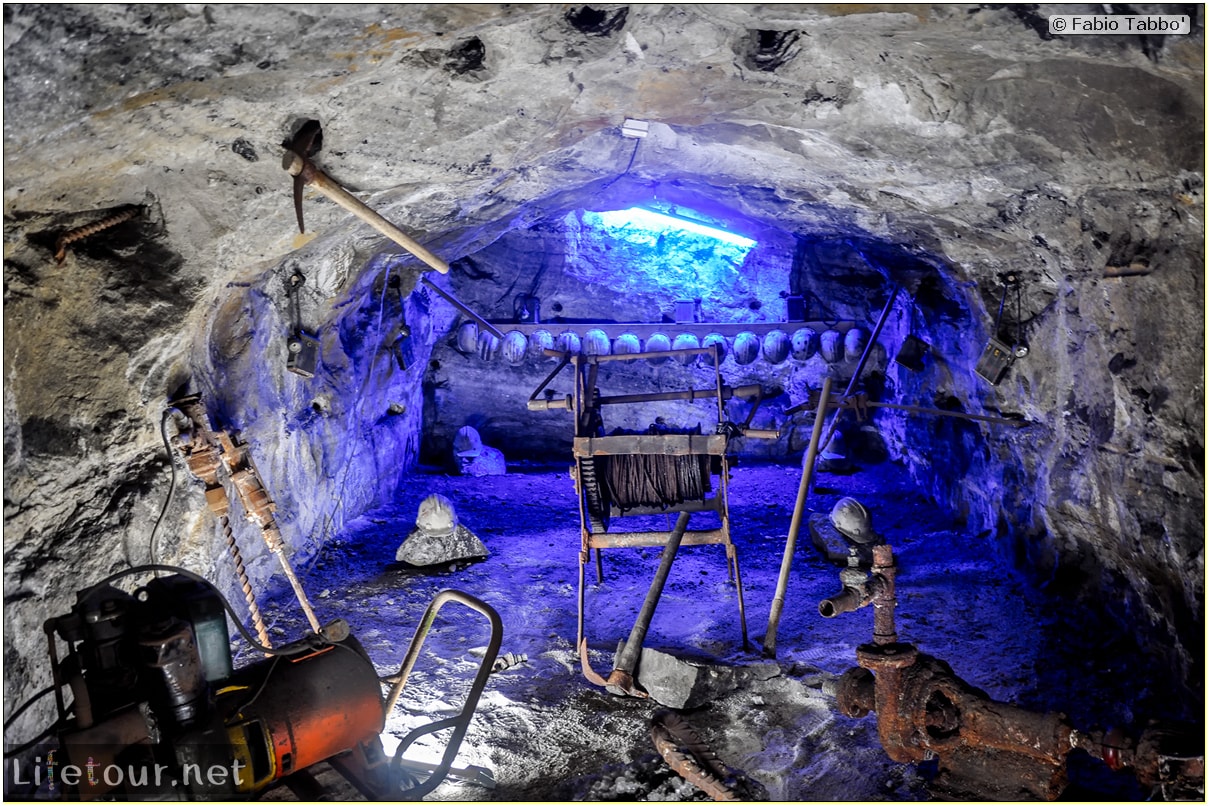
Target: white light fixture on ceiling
[655,221]
[636,129]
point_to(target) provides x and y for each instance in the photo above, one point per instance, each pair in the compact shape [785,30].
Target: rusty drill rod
[303,602]
[241,573]
[795,523]
[633,645]
[298,165]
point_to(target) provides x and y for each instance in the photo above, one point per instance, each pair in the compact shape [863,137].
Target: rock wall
[961,136]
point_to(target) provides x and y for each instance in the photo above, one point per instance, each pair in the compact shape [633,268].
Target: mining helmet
[437,517]
[467,442]
[852,520]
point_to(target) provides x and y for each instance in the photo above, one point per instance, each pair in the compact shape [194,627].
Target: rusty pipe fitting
[846,601]
[852,597]
[855,693]
[877,589]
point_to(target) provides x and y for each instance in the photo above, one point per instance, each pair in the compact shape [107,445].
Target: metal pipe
[600,359]
[846,601]
[460,722]
[860,365]
[457,303]
[713,352]
[686,394]
[296,585]
[544,405]
[421,634]
[1131,270]
[843,404]
[884,602]
[778,601]
[959,414]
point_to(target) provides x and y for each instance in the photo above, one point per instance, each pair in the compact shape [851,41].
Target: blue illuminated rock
[680,683]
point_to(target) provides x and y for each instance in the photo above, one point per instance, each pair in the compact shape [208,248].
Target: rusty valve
[984,748]
[859,590]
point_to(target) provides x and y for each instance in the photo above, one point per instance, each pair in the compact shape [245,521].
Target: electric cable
[171,485]
[629,165]
[19,749]
[8,723]
[237,713]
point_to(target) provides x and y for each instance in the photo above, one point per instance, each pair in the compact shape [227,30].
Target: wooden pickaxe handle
[311,175]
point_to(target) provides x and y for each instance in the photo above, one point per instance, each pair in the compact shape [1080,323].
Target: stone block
[679,683]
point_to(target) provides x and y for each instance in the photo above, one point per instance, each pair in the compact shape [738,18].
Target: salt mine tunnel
[669,401]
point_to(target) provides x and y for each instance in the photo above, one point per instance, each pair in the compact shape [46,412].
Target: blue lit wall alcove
[654,263]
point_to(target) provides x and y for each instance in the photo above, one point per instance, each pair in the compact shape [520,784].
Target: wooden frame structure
[595,513]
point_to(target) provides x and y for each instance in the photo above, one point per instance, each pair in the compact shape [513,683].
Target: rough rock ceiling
[963,135]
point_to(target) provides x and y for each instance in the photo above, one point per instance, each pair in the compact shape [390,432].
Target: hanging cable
[8,723]
[171,486]
[629,165]
[21,748]
[324,532]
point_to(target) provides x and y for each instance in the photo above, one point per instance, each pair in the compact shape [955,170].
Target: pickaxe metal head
[307,142]
[296,161]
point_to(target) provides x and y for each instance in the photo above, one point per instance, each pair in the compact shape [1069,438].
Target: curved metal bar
[461,721]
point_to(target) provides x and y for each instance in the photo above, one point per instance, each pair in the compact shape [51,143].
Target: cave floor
[545,733]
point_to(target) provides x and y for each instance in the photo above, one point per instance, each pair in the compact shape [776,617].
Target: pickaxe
[297,161]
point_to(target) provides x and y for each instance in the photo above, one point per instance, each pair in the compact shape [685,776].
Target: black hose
[16,751]
[8,723]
